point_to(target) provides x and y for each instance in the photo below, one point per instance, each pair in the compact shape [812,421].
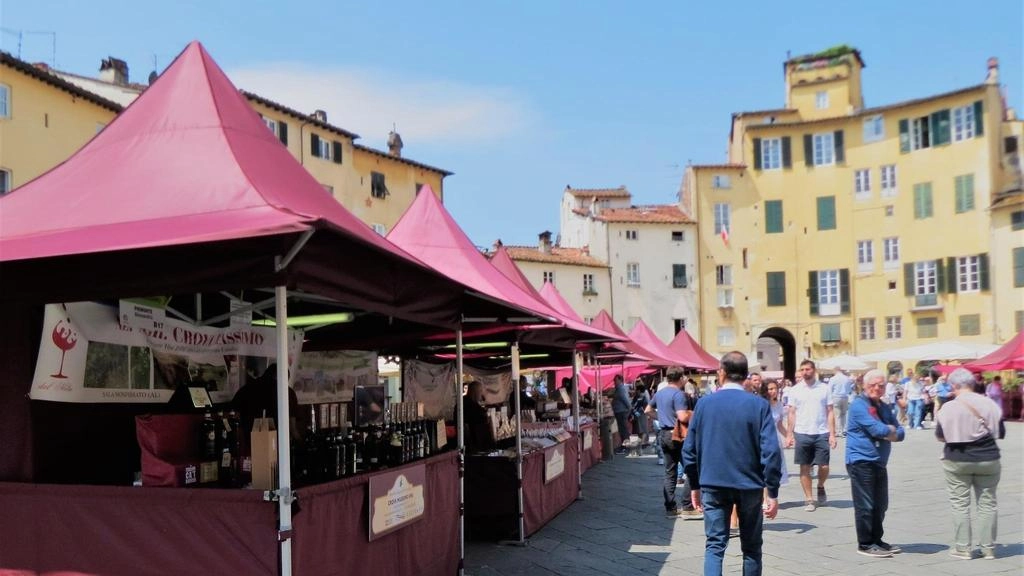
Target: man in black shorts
[812,431]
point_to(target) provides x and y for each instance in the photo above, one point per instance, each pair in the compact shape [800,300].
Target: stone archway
[785,340]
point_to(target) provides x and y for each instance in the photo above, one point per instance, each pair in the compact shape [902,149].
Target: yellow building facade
[47,115]
[835,228]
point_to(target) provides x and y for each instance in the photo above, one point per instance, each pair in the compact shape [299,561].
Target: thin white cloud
[369,102]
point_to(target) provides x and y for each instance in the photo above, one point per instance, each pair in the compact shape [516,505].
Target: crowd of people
[725,446]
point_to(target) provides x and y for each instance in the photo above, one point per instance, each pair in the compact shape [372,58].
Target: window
[928,327]
[1018,320]
[5,101]
[773,216]
[963,123]
[678,236]
[865,255]
[919,137]
[632,274]
[893,327]
[416,188]
[828,292]
[874,129]
[826,213]
[722,218]
[888,179]
[890,252]
[967,274]
[378,188]
[923,201]
[678,325]
[723,275]
[380,229]
[100,126]
[824,148]
[326,149]
[725,298]
[588,284]
[720,181]
[821,100]
[271,125]
[830,332]
[679,275]
[964,186]
[1010,145]
[970,324]
[549,276]
[776,282]
[726,336]
[329,189]
[1018,267]
[867,328]
[631,235]
[771,154]
[588,320]
[5,182]
[926,286]
[890,210]
[1017,220]
[862,184]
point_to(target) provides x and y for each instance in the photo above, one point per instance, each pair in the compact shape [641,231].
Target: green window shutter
[776,288]
[968,192]
[940,276]
[773,216]
[787,153]
[983,277]
[951,286]
[826,213]
[904,136]
[282,132]
[918,201]
[844,291]
[958,194]
[337,152]
[812,291]
[837,142]
[808,150]
[314,143]
[928,209]
[757,153]
[1018,267]
[979,123]
[908,279]
[939,127]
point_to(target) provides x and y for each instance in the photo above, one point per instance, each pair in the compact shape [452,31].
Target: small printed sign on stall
[588,439]
[396,499]
[554,462]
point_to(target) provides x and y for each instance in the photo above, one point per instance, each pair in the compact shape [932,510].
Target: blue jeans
[718,504]
[869,484]
[915,411]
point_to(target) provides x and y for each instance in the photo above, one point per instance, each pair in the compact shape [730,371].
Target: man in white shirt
[842,386]
[812,430]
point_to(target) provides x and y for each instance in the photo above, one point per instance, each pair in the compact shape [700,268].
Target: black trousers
[870,486]
[673,456]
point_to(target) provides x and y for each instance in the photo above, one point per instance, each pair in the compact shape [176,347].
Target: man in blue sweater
[730,456]
[869,436]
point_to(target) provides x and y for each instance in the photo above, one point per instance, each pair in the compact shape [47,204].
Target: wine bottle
[208,438]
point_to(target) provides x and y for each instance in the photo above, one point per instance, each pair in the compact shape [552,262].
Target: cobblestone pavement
[618,528]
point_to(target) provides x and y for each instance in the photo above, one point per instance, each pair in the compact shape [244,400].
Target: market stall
[246,223]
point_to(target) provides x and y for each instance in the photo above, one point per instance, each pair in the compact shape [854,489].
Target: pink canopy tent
[644,336]
[1009,356]
[629,346]
[504,263]
[554,298]
[605,374]
[695,357]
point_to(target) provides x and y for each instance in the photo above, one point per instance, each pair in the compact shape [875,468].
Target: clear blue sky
[520,99]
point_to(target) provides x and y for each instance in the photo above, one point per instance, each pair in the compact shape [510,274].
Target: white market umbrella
[846,362]
[943,350]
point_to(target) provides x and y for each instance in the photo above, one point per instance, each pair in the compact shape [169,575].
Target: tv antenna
[21,40]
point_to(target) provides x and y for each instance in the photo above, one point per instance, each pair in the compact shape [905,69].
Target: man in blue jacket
[869,436]
[730,456]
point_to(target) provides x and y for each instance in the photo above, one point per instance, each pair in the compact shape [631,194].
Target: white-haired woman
[968,426]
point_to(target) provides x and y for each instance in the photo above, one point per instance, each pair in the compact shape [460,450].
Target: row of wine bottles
[220,442]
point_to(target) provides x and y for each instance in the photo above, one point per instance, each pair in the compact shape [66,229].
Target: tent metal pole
[461,444]
[577,359]
[284,458]
[519,444]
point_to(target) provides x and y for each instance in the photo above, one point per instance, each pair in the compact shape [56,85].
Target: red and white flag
[725,235]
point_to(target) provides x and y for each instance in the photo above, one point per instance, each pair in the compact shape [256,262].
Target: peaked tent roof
[430,233]
[507,266]
[685,347]
[604,321]
[186,190]
[554,298]
[1009,356]
[644,336]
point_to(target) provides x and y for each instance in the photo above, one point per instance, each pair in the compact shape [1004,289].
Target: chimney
[42,66]
[395,144]
[497,244]
[114,71]
[544,242]
[320,116]
[993,71]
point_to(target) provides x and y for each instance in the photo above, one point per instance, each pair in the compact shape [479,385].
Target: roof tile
[620,192]
[558,255]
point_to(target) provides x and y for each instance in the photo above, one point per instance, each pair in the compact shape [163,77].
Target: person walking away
[872,430]
[994,390]
[620,407]
[730,456]
[670,405]
[968,425]
[943,392]
[914,389]
[638,412]
[812,431]
[841,385]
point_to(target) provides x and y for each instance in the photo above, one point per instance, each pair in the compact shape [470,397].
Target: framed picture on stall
[371,402]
